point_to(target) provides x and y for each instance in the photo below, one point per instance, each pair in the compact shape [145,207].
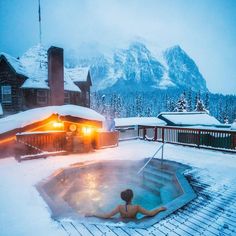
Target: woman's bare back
[128,211]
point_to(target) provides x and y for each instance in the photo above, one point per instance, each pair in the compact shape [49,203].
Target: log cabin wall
[33,98]
[20,99]
[10,80]
[84,86]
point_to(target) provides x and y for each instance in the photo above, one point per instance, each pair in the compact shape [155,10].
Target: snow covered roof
[188,118]
[34,65]
[130,121]
[78,74]
[28,117]
[233,126]
[69,85]
[15,63]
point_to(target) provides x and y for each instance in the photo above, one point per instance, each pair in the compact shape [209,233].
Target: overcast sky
[205,29]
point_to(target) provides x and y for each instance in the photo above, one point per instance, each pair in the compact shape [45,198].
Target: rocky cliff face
[182,70]
[136,69]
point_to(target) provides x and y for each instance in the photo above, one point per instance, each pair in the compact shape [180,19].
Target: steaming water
[89,188]
[97,190]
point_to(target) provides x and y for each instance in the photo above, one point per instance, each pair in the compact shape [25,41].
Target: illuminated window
[6,94]
[42,97]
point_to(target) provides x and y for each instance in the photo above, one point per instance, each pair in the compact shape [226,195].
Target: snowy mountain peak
[175,48]
[139,47]
[183,70]
[135,68]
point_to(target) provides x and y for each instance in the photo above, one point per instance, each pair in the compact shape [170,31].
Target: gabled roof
[14,63]
[233,126]
[188,118]
[133,121]
[34,65]
[31,116]
[78,74]
[69,85]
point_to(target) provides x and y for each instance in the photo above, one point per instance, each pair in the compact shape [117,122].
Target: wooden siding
[85,93]
[23,99]
[9,77]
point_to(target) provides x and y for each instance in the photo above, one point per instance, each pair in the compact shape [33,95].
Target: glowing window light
[57,124]
[87,130]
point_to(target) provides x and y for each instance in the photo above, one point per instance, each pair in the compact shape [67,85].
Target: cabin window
[6,94]
[66,97]
[41,97]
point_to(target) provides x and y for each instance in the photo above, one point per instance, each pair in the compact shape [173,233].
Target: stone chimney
[56,75]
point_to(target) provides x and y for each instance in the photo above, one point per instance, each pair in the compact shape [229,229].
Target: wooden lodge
[64,129]
[39,79]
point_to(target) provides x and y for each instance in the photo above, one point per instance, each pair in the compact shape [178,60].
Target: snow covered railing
[39,143]
[223,140]
[162,151]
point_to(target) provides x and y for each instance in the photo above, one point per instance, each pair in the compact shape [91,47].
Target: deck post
[163,134]
[198,138]
[155,134]
[144,133]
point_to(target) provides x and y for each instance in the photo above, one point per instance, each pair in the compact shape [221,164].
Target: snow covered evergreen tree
[181,105]
[139,105]
[207,100]
[200,106]
[189,99]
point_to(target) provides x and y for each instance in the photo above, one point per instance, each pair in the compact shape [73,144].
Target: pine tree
[138,105]
[189,99]
[226,120]
[207,100]
[200,106]
[103,104]
[181,105]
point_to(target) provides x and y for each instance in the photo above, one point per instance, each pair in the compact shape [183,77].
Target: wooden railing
[203,138]
[39,142]
[106,139]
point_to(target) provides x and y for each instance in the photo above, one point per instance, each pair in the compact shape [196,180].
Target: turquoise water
[97,190]
[94,187]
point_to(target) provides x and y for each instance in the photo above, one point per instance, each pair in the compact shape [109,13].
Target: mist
[204,29]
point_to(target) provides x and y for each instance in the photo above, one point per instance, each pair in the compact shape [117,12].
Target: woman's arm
[107,215]
[150,213]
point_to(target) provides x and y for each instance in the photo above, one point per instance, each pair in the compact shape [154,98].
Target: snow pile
[189,118]
[38,114]
[131,121]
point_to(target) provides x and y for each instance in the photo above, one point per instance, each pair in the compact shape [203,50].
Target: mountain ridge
[135,68]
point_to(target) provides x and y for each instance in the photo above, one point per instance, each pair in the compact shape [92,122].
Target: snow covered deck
[23,211]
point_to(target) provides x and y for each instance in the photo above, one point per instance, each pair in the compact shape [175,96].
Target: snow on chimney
[56,75]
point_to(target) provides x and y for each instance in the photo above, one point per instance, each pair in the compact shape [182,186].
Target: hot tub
[94,187]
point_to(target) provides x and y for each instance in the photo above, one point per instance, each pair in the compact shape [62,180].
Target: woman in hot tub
[128,211]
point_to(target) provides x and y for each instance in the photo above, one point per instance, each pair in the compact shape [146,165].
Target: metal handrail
[161,147]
